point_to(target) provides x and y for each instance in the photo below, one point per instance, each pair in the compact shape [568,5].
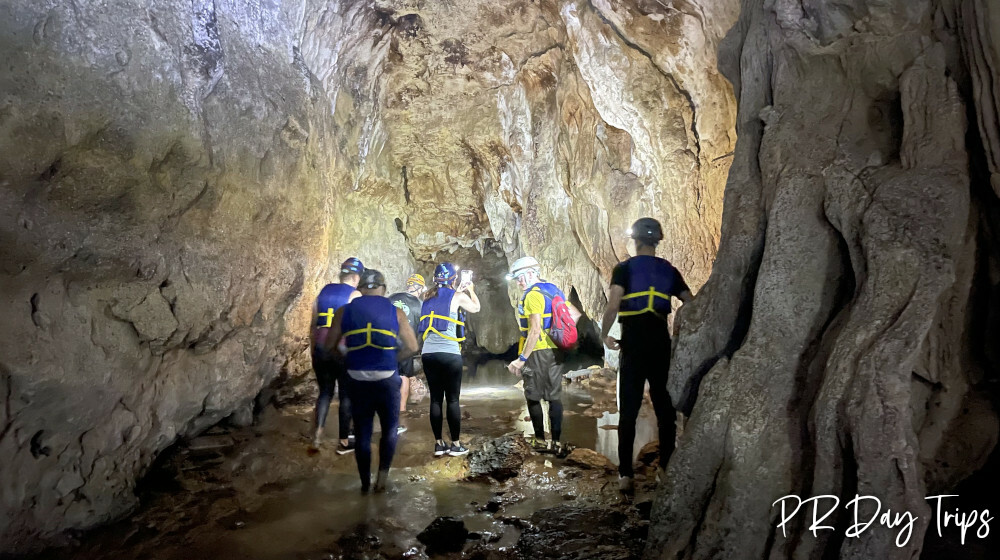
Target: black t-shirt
[410,305]
[646,328]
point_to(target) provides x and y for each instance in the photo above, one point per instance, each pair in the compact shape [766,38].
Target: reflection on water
[304,509]
[492,379]
[492,387]
[493,372]
[302,517]
[607,439]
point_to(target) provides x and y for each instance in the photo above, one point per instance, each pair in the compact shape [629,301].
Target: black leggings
[444,380]
[646,362]
[538,420]
[328,375]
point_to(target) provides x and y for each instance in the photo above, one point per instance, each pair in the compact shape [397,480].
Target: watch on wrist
[522,358]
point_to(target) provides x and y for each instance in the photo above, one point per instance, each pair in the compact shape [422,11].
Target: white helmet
[522,264]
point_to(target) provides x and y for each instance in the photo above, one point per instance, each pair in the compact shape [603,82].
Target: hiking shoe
[536,444]
[549,447]
[457,449]
[400,430]
[626,484]
[382,482]
[440,448]
[563,449]
[345,449]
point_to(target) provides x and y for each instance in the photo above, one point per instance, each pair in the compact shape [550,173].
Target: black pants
[328,374]
[640,363]
[444,381]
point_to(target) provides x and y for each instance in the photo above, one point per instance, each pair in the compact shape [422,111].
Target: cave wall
[178,180]
[168,176]
[839,328]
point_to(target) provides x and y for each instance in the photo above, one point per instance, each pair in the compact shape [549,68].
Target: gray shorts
[543,375]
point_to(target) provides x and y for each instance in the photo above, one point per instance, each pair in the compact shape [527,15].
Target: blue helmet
[445,273]
[352,266]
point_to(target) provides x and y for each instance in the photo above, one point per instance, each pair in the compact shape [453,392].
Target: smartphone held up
[464,280]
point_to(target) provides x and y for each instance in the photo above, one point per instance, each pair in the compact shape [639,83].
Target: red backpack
[562,327]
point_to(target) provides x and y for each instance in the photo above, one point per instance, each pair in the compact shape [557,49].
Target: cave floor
[258,493]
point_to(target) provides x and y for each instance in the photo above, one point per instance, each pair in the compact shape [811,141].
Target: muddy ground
[258,493]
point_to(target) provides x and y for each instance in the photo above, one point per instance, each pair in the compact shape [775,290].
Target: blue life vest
[331,298]
[650,282]
[371,332]
[549,290]
[435,314]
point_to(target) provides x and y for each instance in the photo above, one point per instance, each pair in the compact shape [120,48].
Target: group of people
[367,343]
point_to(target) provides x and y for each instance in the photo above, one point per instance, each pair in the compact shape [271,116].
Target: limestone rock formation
[178,180]
[168,175]
[840,328]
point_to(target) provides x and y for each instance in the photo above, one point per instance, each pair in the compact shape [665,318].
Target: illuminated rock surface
[178,180]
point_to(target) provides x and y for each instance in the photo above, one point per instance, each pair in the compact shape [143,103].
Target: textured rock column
[834,326]
[166,184]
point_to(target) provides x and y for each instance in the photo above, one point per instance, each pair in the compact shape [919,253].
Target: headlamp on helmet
[445,273]
[646,230]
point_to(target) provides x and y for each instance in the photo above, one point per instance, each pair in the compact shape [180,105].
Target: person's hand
[467,287]
[611,343]
[515,367]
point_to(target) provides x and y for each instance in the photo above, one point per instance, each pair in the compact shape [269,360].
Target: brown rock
[649,454]
[588,459]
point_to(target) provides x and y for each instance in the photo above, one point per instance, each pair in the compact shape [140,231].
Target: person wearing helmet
[442,329]
[539,359]
[329,372]
[376,336]
[640,296]
[409,301]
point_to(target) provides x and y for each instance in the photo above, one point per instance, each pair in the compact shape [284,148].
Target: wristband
[522,358]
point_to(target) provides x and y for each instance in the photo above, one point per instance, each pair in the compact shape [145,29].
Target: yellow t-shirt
[534,302]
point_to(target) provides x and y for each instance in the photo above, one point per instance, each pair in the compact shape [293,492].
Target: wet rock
[486,552]
[588,459]
[444,534]
[649,454]
[499,459]
[644,509]
[208,445]
[573,532]
[359,542]
[580,375]
[242,416]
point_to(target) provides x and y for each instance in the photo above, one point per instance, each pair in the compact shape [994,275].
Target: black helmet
[646,230]
[371,279]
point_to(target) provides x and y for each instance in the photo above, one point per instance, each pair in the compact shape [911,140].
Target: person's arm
[468,300]
[530,340]
[610,312]
[354,295]
[332,346]
[681,290]
[407,338]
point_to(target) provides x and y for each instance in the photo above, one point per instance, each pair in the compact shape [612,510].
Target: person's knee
[628,417]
